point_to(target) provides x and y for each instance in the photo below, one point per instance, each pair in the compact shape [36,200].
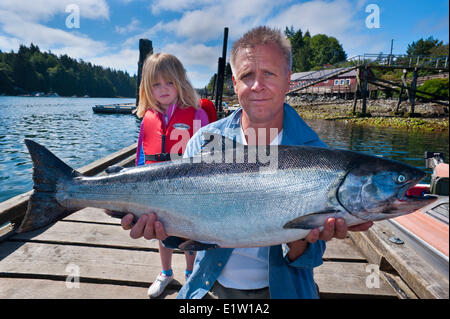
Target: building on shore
[327,81]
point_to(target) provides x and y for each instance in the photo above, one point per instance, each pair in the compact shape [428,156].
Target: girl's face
[164,92]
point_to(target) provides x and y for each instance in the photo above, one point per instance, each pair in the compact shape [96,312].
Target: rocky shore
[432,116]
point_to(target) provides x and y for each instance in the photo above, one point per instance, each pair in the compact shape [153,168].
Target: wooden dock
[88,255]
[110,264]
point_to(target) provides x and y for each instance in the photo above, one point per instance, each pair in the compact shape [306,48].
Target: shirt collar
[295,131]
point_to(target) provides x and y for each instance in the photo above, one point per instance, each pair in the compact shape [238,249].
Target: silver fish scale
[241,204]
[233,205]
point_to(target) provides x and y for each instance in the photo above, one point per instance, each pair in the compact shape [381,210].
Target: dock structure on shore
[88,255]
[358,80]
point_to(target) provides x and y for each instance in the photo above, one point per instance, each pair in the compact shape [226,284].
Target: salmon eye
[401,178]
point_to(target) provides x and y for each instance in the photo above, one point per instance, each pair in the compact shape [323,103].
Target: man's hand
[147,226]
[333,228]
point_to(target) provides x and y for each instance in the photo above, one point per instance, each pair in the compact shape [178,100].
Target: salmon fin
[48,171]
[196,245]
[114,169]
[218,140]
[311,221]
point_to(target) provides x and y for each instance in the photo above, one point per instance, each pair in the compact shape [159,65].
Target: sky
[107,32]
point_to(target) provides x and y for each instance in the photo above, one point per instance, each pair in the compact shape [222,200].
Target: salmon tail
[48,172]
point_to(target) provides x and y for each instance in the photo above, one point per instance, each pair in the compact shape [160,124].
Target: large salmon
[218,202]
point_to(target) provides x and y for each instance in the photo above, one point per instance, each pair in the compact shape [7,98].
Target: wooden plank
[419,276]
[5,229]
[98,265]
[344,250]
[140,268]
[94,215]
[112,159]
[87,234]
[344,279]
[26,288]
[13,209]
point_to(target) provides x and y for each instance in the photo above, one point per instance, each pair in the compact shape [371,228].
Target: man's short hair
[260,36]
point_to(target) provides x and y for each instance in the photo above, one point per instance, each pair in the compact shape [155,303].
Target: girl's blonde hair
[171,70]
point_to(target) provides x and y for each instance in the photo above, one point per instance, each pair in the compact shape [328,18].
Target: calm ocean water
[398,144]
[69,128]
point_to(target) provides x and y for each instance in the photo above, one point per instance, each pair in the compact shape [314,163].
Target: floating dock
[124,108]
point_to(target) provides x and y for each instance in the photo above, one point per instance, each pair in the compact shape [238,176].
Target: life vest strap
[161,157]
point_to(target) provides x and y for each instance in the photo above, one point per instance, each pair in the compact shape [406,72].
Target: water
[398,144]
[69,128]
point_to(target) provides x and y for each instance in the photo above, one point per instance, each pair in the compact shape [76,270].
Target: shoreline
[433,117]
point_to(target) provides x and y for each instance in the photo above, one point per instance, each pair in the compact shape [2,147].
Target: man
[261,63]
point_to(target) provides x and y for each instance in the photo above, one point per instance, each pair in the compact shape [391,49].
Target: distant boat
[123,108]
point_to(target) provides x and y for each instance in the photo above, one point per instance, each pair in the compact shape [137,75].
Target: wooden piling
[221,72]
[402,89]
[145,48]
[358,88]
[364,91]
[412,94]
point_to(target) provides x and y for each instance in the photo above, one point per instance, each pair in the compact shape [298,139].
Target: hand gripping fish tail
[48,170]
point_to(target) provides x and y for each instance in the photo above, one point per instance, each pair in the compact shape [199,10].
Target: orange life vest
[162,143]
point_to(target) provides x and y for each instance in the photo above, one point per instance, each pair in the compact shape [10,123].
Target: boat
[47,261]
[427,230]
[122,108]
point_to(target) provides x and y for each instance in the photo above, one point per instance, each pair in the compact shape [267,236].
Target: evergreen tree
[313,52]
[326,50]
[30,70]
[423,47]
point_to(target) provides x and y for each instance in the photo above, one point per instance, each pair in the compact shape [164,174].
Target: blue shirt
[287,280]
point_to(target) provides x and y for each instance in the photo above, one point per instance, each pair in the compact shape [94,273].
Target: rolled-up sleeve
[311,257]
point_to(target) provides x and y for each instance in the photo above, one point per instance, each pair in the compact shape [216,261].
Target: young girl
[171,114]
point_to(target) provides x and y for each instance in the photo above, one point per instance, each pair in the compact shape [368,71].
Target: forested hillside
[30,70]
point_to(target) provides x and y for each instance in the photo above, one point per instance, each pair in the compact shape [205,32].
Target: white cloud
[42,10]
[74,44]
[207,23]
[131,42]
[194,31]
[131,27]
[125,60]
[332,18]
[178,5]
[341,19]
[9,43]
[23,22]
[194,54]
[199,79]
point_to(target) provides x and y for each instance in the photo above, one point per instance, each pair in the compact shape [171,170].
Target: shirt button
[219,264]
[207,283]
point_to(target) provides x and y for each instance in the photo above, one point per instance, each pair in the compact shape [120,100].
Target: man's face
[261,82]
